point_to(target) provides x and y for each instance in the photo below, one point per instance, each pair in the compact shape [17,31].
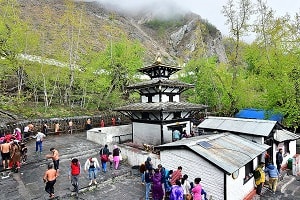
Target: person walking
[116,154]
[147,184]
[50,180]
[186,187]
[157,190]
[259,176]
[197,189]
[149,165]
[104,153]
[92,166]
[177,175]
[39,142]
[177,191]
[279,159]
[55,158]
[110,159]
[15,156]
[142,170]
[273,174]
[74,174]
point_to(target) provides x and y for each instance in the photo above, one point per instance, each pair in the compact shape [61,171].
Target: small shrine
[160,111]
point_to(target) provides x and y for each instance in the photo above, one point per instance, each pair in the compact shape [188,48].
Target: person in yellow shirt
[259,176]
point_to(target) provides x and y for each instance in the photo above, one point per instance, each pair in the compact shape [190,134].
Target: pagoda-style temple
[160,111]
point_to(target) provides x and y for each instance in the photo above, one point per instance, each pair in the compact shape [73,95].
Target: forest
[48,68]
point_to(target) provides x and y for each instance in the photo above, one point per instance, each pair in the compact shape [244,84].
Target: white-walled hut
[160,111]
[224,162]
[261,131]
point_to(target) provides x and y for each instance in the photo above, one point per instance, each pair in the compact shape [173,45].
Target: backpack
[256,174]
[103,157]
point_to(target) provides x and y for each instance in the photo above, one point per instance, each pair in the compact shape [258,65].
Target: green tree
[238,15]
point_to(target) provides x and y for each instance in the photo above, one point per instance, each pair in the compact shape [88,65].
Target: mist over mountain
[161,26]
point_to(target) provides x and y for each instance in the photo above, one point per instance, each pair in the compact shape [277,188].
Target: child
[111,159]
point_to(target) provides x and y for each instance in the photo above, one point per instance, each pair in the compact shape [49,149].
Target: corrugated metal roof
[228,151]
[247,126]
[284,135]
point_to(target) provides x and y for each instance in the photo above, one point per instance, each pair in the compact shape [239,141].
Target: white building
[261,131]
[224,162]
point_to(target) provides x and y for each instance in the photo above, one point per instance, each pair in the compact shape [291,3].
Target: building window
[145,115]
[177,115]
[171,98]
[248,171]
[150,98]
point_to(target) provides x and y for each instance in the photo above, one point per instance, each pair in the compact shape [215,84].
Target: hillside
[54,27]
[175,37]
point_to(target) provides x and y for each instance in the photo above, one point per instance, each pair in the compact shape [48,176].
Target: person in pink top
[18,134]
[197,189]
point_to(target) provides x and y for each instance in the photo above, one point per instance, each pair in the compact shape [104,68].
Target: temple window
[145,115]
[177,115]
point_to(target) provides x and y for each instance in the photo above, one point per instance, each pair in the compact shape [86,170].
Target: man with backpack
[259,176]
[74,173]
[273,174]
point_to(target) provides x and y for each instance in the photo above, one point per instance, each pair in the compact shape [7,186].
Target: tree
[238,21]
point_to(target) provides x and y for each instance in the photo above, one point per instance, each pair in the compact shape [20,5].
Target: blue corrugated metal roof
[227,151]
[251,113]
[247,126]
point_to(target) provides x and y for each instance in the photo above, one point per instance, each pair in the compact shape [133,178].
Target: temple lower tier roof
[162,106]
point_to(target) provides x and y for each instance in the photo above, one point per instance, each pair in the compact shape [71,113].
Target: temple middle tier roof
[160,85]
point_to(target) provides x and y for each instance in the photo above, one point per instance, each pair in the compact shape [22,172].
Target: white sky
[207,9]
[211,10]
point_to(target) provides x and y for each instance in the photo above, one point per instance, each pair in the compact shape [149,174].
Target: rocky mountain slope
[176,37]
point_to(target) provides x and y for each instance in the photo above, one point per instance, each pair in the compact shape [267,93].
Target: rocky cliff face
[175,37]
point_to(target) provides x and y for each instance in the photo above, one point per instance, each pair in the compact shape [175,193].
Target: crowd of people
[12,149]
[91,166]
[161,183]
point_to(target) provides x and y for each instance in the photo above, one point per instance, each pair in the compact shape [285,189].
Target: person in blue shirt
[273,174]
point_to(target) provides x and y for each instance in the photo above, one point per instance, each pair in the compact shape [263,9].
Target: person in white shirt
[92,165]
[186,187]
[39,142]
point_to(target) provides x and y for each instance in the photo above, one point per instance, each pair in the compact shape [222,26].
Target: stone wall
[79,123]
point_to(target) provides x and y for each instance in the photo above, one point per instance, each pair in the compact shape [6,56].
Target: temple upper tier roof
[159,70]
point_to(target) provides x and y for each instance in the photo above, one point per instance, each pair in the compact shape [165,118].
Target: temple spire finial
[158,58]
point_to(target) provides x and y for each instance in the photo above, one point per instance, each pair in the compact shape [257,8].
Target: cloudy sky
[207,9]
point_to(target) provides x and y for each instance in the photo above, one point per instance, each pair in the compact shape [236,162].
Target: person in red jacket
[74,173]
